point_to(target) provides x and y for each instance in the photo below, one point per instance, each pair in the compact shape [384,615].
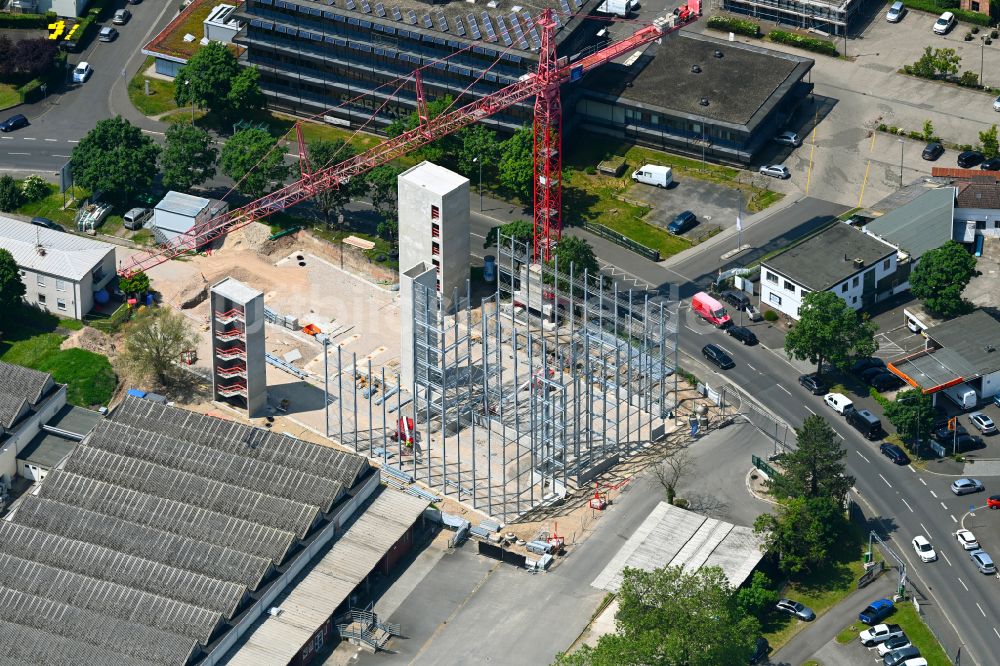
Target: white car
[82,72]
[895,13]
[916,661]
[776,171]
[888,646]
[983,423]
[996,104]
[838,402]
[944,23]
[967,540]
[923,548]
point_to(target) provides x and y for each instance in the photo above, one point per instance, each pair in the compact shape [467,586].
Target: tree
[670,617]
[924,66]
[988,142]
[212,79]
[444,150]
[517,167]
[330,203]
[946,62]
[478,147]
[115,158]
[34,188]
[522,231]
[244,93]
[940,277]
[11,287]
[829,330]
[388,229]
[26,59]
[253,158]
[10,194]
[912,414]
[669,472]
[154,342]
[188,159]
[382,189]
[801,532]
[815,467]
[757,597]
[136,284]
[929,131]
[578,253]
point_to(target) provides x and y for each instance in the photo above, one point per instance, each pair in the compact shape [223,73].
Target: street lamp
[478,161]
[900,162]
[982,47]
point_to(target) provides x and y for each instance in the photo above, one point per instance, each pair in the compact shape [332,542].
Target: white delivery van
[654,174]
[962,395]
[622,8]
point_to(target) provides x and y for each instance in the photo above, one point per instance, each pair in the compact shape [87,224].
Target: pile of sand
[92,340]
[252,237]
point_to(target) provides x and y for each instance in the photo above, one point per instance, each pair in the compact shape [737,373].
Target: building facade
[239,368]
[839,17]
[977,211]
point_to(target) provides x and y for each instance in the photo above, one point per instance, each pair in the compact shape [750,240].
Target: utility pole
[901,144]
[480,162]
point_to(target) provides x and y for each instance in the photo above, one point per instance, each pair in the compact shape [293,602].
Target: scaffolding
[552,380]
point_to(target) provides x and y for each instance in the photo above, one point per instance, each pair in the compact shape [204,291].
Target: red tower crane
[543,85]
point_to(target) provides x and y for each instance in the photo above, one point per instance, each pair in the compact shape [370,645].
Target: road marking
[944,506]
[925,483]
[996,632]
[755,370]
[7,138]
[60,155]
[953,519]
[72,141]
[52,140]
[810,411]
[946,559]
[811,151]
[911,469]
[28,138]
[863,456]
[886,480]
[926,530]
[907,504]
[963,584]
[784,389]
[934,494]
[18,153]
[864,182]
[980,609]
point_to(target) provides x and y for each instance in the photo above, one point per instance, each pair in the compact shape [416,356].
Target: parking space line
[906,503]
[963,584]
[934,494]
[886,480]
[927,531]
[911,469]
[953,519]
[863,456]
[923,482]
[784,389]
[980,609]
[946,559]
[944,506]
[996,632]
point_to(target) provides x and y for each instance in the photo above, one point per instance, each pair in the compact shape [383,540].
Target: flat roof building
[178,212]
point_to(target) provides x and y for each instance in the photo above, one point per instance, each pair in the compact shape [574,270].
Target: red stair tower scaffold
[543,85]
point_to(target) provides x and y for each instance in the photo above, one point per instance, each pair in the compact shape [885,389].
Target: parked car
[136,218]
[796,608]
[996,400]
[121,17]
[996,104]
[13,123]
[993,502]
[894,453]
[885,381]
[945,436]
[871,373]
[743,334]
[760,651]
[966,486]
[895,13]
[917,661]
[776,171]
[107,34]
[992,164]
[965,442]
[715,354]
[969,159]
[737,299]
[923,548]
[967,540]
[983,562]
[682,222]
[876,611]
[897,643]
[82,72]
[900,656]
[838,402]
[944,23]
[47,223]
[932,151]
[813,384]
[788,139]
[880,633]
[866,362]
[865,422]
[983,423]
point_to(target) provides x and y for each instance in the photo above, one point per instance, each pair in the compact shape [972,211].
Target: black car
[885,382]
[717,356]
[871,373]
[761,649]
[966,442]
[992,164]
[13,123]
[932,151]
[682,222]
[47,223]
[894,453]
[737,299]
[743,334]
[970,158]
[863,364]
[813,384]
[944,436]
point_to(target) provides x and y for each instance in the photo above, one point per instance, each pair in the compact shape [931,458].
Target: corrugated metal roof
[920,225]
[182,204]
[64,255]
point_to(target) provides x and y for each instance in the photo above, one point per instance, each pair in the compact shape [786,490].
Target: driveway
[715,205]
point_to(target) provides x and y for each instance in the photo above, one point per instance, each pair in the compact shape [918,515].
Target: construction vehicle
[405,432]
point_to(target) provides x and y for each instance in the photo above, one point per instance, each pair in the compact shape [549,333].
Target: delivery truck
[710,310]
[962,395]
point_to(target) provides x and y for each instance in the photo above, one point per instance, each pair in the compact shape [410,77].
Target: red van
[710,310]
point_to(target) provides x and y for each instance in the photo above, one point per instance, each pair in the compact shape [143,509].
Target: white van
[136,218]
[839,402]
[962,395]
[654,174]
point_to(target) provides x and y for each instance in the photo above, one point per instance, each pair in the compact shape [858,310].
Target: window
[41,281]
[435,213]
[772,278]
[774,298]
[61,303]
[974,5]
[885,264]
[854,300]
[789,286]
[843,287]
[855,281]
[60,285]
[41,298]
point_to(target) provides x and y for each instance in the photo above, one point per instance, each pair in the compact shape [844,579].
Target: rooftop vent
[989,349]
[859,263]
[696,69]
[703,101]
[717,53]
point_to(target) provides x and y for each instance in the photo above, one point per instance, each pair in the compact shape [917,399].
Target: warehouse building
[61,272]
[170,537]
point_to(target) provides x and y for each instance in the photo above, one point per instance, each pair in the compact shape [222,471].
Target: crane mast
[543,85]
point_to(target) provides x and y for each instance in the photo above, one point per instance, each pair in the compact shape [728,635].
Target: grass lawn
[33,341]
[161,93]
[8,96]
[820,590]
[916,630]
[51,206]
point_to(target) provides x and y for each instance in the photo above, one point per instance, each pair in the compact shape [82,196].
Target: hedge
[933,7]
[733,24]
[808,43]
[26,21]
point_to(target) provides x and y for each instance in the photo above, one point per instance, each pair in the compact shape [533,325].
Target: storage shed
[178,212]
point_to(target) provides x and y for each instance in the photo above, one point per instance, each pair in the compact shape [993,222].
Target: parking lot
[714,204]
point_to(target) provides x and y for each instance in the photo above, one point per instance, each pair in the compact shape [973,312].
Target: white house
[178,212]
[977,211]
[857,267]
[61,271]
[65,8]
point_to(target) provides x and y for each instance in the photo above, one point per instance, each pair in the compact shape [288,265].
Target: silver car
[983,562]
[776,171]
[966,486]
[983,423]
[797,609]
[895,13]
[788,139]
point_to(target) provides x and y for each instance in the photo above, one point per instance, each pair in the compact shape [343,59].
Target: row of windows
[638,116]
[40,279]
[60,302]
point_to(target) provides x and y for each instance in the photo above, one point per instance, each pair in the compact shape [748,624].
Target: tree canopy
[522,231]
[253,159]
[516,170]
[444,150]
[478,146]
[912,414]
[115,158]
[212,79]
[330,202]
[815,467]
[26,59]
[188,158]
[11,196]
[802,531]
[940,277]
[829,330]
[988,142]
[11,287]
[154,342]
[670,617]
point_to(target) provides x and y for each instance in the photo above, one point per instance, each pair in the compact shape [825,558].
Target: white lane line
[75,141]
[810,411]
[886,480]
[30,139]
[60,155]
[52,140]
[911,469]
[934,494]
[751,367]
[996,632]
[963,584]
[925,483]
[980,609]
[7,138]
[953,519]
[946,559]
[944,506]
[906,503]
[926,531]
[18,153]
[863,456]
[785,390]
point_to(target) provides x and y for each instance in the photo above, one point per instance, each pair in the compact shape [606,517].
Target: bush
[968,37]
[26,21]
[969,80]
[987,41]
[974,18]
[770,315]
[975,30]
[808,43]
[893,129]
[34,188]
[882,127]
[733,24]
[918,136]
[994,34]
[591,170]
[10,194]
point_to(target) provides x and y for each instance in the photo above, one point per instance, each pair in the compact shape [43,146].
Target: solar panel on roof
[474,27]
[350,4]
[442,23]
[426,20]
[411,17]
[379,10]
[488,25]
[518,33]
[396,14]
[504,34]
[365,7]
[459,27]
[565,7]
[577,4]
